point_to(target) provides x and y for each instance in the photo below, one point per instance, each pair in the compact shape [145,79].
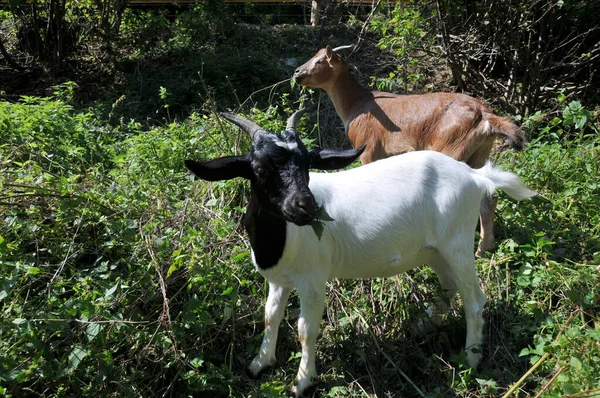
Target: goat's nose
[307,204]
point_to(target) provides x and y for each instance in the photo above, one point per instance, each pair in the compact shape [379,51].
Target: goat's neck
[267,233]
[346,93]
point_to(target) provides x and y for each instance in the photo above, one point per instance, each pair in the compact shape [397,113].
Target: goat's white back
[388,216]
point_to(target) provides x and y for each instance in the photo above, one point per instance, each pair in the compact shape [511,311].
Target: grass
[120,274]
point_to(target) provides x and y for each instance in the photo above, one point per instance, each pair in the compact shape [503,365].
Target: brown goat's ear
[328,53]
[221,169]
[326,159]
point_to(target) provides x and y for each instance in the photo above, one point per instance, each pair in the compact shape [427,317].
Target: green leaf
[526,269]
[5,287]
[75,358]
[487,383]
[272,388]
[317,224]
[572,388]
[576,363]
[227,291]
[575,105]
[33,270]
[211,203]
[13,375]
[242,255]
[337,391]
[4,245]
[318,228]
[112,290]
[322,214]
[197,362]
[524,352]
[594,334]
[523,281]
[174,267]
[92,331]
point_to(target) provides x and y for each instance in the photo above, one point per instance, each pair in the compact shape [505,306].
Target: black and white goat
[388,217]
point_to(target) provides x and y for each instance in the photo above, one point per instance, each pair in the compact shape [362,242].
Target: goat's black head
[277,167]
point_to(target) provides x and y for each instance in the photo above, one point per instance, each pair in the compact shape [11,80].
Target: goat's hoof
[307,390]
[425,326]
[480,253]
[306,393]
[484,248]
[473,358]
[255,371]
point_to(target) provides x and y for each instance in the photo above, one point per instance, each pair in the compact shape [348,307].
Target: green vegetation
[122,276]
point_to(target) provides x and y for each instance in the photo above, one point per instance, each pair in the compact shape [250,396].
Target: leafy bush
[98,237]
[403,31]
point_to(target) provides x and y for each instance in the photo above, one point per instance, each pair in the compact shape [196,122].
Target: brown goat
[390,124]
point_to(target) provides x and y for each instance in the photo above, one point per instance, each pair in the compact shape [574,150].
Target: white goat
[388,217]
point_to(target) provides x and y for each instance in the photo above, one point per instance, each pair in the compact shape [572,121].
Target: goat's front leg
[274,311]
[312,302]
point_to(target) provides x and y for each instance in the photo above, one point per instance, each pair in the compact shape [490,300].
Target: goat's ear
[326,159]
[329,52]
[221,169]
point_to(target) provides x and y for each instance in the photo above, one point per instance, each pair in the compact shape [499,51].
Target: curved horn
[343,48]
[293,120]
[251,128]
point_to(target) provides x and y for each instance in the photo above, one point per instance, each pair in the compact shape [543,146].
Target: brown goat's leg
[367,157]
[486,217]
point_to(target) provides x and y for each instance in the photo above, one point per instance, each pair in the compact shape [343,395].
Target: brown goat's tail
[505,127]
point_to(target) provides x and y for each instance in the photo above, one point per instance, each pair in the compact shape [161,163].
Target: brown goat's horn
[293,120]
[343,48]
[249,127]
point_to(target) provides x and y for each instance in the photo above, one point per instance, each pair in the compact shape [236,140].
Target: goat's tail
[504,180]
[504,126]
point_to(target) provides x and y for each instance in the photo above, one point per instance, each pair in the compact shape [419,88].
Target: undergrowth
[122,276]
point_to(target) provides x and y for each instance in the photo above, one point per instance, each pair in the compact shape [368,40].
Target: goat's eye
[259,170]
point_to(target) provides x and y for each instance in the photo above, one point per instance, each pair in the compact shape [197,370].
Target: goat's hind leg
[462,271]
[274,311]
[444,301]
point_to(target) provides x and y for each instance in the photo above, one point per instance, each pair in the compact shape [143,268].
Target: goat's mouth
[299,219]
[299,208]
[298,77]
[304,221]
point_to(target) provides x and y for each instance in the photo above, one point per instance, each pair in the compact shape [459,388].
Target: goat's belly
[386,265]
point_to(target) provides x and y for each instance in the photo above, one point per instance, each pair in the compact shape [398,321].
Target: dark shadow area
[431,360]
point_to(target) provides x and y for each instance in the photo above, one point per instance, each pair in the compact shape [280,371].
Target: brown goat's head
[321,70]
